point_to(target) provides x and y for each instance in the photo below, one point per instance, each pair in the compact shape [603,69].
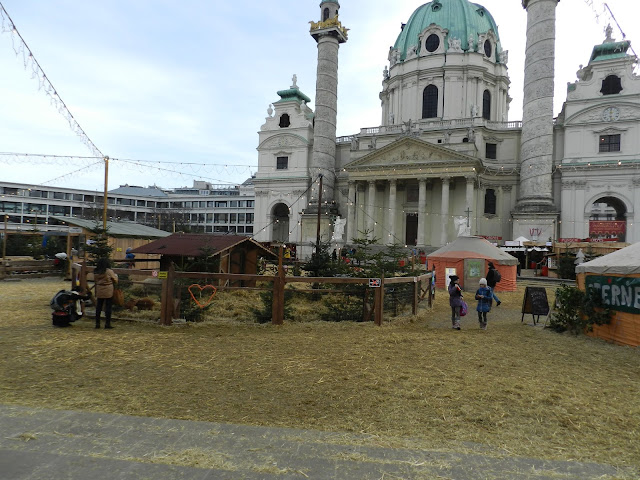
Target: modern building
[445,160]
[202,208]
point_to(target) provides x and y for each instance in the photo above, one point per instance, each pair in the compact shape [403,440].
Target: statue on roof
[608,32]
[295,81]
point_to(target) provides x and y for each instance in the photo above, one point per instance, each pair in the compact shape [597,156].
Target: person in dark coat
[484,296]
[491,282]
[455,301]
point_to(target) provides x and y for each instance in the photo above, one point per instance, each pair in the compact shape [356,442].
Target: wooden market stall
[616,277]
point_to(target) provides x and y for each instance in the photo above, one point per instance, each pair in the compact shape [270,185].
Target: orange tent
[470,257]
[616,277]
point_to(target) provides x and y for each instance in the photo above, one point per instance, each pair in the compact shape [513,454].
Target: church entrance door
[411,237]
[280,216]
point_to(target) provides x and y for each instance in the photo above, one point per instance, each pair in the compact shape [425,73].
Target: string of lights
[20,47]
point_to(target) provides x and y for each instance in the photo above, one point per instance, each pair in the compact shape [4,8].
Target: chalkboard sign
[535,302]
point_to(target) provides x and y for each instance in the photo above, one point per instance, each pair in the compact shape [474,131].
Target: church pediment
[410,152]
[610,112]
[287,140]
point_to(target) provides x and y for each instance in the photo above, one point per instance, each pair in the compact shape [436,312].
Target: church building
[445,160]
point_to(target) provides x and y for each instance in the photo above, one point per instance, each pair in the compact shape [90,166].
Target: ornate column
[444,210]
[371,199]
[536,148]
[351,211]
[329,34]
[391,214]
[422,210]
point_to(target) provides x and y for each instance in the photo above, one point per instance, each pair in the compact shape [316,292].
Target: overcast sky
[188,82]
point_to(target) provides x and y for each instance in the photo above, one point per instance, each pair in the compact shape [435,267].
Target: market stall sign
[618,293]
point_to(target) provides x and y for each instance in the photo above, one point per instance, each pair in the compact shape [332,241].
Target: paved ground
[39,444]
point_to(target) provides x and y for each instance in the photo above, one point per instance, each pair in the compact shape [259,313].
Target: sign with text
[163,274]
[618,293]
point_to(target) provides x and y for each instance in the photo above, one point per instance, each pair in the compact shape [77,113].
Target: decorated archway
[608,220]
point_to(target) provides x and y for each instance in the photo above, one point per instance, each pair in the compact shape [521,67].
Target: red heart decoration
[201,289]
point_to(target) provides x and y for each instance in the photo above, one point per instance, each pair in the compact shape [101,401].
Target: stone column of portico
[391,214]
[371,199]
[351,212]
[444,210]
[422,210]
[471,181]
[536,167]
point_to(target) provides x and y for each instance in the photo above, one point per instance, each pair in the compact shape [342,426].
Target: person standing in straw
[105,279]
[455,301]
[484,295]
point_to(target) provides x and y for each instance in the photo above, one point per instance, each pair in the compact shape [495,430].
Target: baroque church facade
[445,161]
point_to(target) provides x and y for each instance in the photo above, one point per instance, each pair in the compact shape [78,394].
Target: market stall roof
[623,262]
[196,244]
[118,229]
[474,247]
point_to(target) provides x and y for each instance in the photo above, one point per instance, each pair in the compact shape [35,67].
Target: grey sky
[189,82]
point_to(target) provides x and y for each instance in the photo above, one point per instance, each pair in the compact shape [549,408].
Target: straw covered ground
[517,389]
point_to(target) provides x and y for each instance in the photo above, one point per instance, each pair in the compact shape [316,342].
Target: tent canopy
[623,262]
[474,247]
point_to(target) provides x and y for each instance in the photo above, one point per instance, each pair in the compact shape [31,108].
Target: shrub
[578,311]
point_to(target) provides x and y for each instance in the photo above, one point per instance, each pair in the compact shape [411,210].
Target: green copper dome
[460,17]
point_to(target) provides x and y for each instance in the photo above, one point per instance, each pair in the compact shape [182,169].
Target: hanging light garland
[30,63]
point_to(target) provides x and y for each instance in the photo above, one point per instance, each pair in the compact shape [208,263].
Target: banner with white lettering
[618,293]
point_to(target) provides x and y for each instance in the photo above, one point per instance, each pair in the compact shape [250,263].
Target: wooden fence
[421,287]
[29,268]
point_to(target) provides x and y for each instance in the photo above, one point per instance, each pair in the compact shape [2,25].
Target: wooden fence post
[378,303]
[416,292]
[277,310]
[166,301]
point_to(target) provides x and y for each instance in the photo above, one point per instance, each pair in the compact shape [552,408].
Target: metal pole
[106,188]
[4,243]
[319,215]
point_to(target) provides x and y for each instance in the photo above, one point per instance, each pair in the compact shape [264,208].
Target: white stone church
[445,160]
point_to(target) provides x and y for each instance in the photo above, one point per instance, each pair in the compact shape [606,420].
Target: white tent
[623,262]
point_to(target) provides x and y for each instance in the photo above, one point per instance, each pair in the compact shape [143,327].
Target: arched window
[612,85]
[285,121]
[486,105]
[325,15]
[490,202]
[430,102]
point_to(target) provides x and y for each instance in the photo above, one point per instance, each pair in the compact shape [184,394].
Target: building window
[250,203]
[221,204]
[325,15]
[282,163]
[413,193]
[486,105]
[285,121]
[490,202]
[488,48]
[430,102]
[491,151]
[249,217]
[612,85]
[610,143]
[432,43]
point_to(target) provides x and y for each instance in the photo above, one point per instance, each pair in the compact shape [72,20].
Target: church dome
[461,18]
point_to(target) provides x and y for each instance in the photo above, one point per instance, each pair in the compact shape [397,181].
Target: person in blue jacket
[484,295]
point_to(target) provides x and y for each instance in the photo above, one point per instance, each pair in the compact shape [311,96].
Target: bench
[28,268]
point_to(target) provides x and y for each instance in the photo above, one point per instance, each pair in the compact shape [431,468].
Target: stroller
[66,307]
